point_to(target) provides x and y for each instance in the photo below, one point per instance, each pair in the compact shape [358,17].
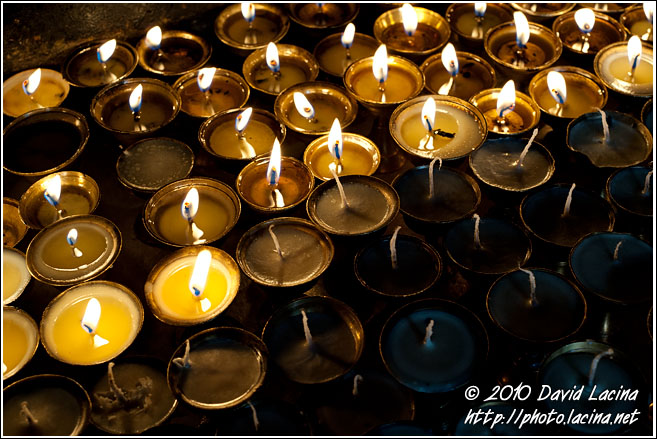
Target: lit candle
[104,53]
[585,19]
[276,68]
[33,89]
[506,110]
[15,275]
[90,66]
[191,286]
[336,52]
[626,67]
[210,90]
[586,32]
[246,26]
[20,340]
[473,74]
[638,19]
[91,323]
[472,21]
[172,52]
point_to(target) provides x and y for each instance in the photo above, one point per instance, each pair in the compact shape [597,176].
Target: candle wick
[569,200]
[431,184]
[116,390]
[274,238]
[343,196]
[428,332]
[306,329]
[208,101]
[617,249]
[605,124]
[646,184]
[520,57]
[26,413]
[595,363]
[477,240]
[526,150]
[585,42]
[357,380]
[254,415]
[348,52]
[532,287]
[441,133]
[185,361]
[393,248]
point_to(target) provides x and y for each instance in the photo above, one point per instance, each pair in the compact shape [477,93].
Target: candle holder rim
[37,337]
[599,16]
[644,111]
[573,273]
[518,229]
[230,10]
[468,178]
[538,28]
[259,400]
[551,342]
[80,395]
[219,72]
[435,59]
[452,101]
[455,6]
[437,22]
[99,221]
[403,237]
[544,150]
[628,118]
[46,113]
[115,285]
[169,140]
[179,185]
[390,195]
[243,336]
[353,9]
[177,104]
[519,95]
[326,243]
[645,48]
[14,297]
[543,15]
[21,227]
[311,66]
[322,141]
[314,88]
[208,125]
[351,320]
[142,49]
[45,73]
[143,359]
[264,158]
[38,188]
[566,187]
[191,250]
[90,45]
[443,305]
[610,196]
[533,85]
[338,36]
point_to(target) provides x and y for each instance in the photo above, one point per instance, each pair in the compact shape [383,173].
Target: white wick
[646,184]
[393,248]
[605,125]
[275,239]
[569,200]
[477,240]
[111,380]
[343,197]
[357,379]
[185,360]
[617,249]
[433,162]
[256,422]
[532,286]
[27,414]
[526,150]
[306,329]
[594,364]
[428,333]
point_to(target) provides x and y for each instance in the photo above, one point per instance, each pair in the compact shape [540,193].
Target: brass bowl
[13,227]
[124,54]
[321,143]
[477,68]
[195,48]
[229,86]
[331,15]
[605,32]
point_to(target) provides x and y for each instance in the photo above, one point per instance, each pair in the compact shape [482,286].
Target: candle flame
[72,237]
[522,29]
[31,84]
[479,9]
[429,114]
[53,190]
[91,316]
[205,77]
[348,35]
[274,167]
[557,86]
[585,19]
[335,140]
[380,64]
[649,10]
[242,119]
[272,58]
[248,11]
[634,50]
[303,105]
[106,51]
[409,19]
[189,206]
[200,273]
[450,60]
[135,99]
[154,37]
[506,101]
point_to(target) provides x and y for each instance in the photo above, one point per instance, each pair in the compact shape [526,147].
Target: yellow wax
[173,297]
[290,74]
[57,253]
[641,28]
[326,110]
[258,137]
[334,59]
[398,87]
[580,99]
[619,67]
[224,94]
[468,25]
[50,93]
[19,340]
[211,218]
[71,202]
[355,161]
[15,276]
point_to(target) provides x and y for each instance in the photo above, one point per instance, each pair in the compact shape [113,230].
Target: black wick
[441,133]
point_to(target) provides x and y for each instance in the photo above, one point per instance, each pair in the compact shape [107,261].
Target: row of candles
[346,204]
